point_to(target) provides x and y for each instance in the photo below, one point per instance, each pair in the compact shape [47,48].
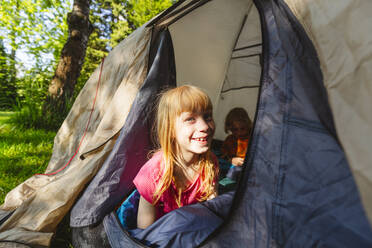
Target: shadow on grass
[63,237]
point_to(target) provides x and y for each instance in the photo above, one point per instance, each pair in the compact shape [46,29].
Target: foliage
[29,108]
[22,153]
[114,20]
[141,11]
[8,91]
[131,14]
[35,27]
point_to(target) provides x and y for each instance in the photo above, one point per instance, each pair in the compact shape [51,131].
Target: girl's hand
[237,161]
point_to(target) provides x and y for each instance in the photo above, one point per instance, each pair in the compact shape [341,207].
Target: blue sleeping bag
[187,226]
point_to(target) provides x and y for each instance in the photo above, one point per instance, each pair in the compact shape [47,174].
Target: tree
[73,53]
[113,20]
[7,88]
[8,61]
[14,32]
[61,88]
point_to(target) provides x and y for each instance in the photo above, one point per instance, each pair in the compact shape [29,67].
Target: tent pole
[246,56]
[246,47]
[172,12]
[240,30]
[166,12]
[239,88]
[201,3]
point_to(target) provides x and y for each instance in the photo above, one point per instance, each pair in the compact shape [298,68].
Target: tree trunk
[13,42]
[73,53]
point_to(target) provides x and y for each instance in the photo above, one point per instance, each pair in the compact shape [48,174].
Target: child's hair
[171,104]
[235,115]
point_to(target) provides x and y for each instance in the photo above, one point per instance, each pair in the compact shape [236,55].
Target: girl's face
[194,133]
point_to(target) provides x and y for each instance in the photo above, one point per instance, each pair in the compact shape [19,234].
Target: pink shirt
[148,178]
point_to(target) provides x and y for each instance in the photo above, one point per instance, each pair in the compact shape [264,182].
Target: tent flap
[42,201]
[114,181]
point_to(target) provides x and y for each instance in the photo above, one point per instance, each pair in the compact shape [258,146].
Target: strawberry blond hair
[171,104]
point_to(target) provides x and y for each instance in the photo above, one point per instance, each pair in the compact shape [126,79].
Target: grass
[22,153]
[4,116]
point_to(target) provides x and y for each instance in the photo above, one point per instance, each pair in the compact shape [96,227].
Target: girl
[235,145]
[183,171]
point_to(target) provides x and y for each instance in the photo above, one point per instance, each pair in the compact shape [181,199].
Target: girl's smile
[201,139]
[193,133]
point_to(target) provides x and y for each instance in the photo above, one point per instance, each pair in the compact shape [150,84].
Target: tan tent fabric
[42,201]
[340,31]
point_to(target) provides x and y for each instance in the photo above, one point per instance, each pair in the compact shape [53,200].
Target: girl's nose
[203,125]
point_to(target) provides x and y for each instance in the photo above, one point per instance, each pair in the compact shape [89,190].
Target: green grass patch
[5,116]
[22,153]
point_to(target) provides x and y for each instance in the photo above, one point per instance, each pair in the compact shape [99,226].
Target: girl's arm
[146,214]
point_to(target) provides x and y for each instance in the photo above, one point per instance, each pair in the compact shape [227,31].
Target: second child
[239,125]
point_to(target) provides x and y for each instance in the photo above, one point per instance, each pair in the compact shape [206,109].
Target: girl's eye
[190,119]
[208,117]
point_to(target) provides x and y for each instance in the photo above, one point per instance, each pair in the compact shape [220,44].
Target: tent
[301,68]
